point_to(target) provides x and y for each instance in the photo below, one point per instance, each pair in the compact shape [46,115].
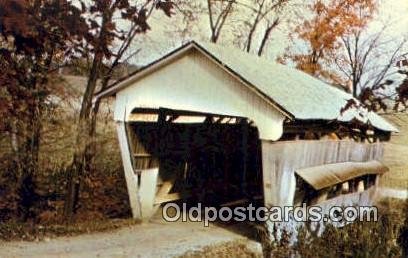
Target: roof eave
[230,71]
[117,86]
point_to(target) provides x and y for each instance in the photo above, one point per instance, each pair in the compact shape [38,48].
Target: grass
[232,249]
[395,159]
[56,152]
[12,231]
[359,239]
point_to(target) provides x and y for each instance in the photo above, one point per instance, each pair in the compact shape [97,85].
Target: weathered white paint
[281,159]
[131,178]
[193,82]
[190,82]
[358,199]
[279,185]
[365,198]
[294,93]
[147,192]
[141,190]
[326,175]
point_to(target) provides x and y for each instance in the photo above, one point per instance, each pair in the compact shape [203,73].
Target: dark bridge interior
[215,162]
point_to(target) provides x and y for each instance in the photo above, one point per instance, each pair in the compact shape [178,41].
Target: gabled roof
[295,93]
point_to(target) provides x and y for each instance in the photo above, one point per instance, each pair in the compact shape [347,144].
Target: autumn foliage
[57,166]
[37,38]
[320,35]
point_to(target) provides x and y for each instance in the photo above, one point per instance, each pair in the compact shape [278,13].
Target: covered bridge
[217,125]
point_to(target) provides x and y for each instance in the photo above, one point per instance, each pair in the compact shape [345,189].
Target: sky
[162,38]
[394,13]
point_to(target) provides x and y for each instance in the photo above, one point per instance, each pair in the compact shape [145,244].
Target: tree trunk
[79,165]
[27,161]
[78,168]
[91,151]
[90,157]
[266,36]
[252,30]
[354,89]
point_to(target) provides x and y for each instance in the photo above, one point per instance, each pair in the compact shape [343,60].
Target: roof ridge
[294,93]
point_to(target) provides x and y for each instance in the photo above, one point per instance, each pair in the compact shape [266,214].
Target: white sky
[394,13]
[162,37]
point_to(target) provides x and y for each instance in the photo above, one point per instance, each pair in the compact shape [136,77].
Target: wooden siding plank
[281,159]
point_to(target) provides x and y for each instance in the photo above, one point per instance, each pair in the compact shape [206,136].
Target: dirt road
[155,239]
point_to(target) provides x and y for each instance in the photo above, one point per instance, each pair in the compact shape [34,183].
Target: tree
[107,46]
[341,50]
[316,39]
[368,63]
[267,12]
[35,37]
[218,12]
[247,21]
[402,93]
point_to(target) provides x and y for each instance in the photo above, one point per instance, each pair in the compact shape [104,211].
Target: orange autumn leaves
[317,39]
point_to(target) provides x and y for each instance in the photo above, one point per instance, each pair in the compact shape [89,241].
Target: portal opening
[207,158]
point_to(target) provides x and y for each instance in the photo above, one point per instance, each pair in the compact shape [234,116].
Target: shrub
[358,239]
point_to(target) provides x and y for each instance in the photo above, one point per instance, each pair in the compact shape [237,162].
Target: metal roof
[300,95]
[331,174]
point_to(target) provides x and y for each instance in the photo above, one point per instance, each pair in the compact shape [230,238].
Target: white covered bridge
[214,124]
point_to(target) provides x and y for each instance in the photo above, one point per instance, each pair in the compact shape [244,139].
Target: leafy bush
[103,194]
[358,239]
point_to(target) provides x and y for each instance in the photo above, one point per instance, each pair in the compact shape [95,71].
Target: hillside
[396,152]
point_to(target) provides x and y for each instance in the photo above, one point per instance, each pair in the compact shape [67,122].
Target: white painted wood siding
[194,82]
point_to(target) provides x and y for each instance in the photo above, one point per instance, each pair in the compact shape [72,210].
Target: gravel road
[155,239]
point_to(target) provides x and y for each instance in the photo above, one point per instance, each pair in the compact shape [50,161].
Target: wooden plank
[281,159]
[141,158]
[244,156]
[236,202]
[240,201]
[131,180]
[142,155]
[147,191]
[165,188]
[171,197]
